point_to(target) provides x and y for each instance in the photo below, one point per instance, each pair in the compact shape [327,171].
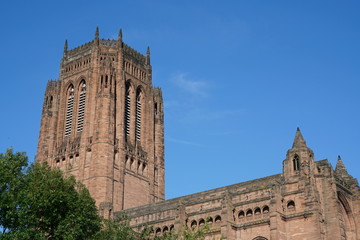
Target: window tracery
[69,110]
[81,110]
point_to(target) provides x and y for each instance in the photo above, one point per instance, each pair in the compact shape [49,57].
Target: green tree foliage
[11,183]
[38,202]
[119,229]
[185,233]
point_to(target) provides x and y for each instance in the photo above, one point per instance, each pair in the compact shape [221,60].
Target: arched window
[346,216]
[131,164]
[257,211]
[144,169]
[50,102]
[138,115]
[296,163]
[81,111]
[241,214]
[127,110]
[217,219]
[69,110]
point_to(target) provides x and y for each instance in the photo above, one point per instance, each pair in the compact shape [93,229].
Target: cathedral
[103,122]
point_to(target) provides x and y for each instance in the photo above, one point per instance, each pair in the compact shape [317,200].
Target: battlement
[129,53]
[52,84]
[157,92]
[80,49]
[108,42]
[134,54]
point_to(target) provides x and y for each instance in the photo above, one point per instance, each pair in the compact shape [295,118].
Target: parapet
[134,55]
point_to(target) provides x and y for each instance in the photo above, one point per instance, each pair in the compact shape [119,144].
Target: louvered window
[69,111]
[138,119]
[81,111]
[127,113]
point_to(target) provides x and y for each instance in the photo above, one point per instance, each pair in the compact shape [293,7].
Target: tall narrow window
[69,110]
[81,111]
[138,116]
[127,111]
[296,163]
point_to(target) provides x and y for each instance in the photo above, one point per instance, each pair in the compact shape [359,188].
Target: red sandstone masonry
[115,166]
[307,201]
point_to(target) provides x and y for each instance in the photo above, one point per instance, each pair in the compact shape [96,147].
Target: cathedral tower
[103,122]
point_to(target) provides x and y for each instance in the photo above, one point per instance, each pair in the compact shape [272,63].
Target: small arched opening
[193,224]
[290,205]
[201,222]
[266,209]
[209,220]
[249,213]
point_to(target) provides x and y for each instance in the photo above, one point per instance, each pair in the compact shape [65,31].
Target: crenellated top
[80,49]
[130,54]
[134,55]
[108,42]
[52,84]
[157,92]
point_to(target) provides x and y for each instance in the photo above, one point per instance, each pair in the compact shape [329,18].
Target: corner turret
[340,169]
[342,173]
[299,159]
[299,141]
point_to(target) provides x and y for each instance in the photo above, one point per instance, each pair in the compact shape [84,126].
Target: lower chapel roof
[205,196]
[213,194]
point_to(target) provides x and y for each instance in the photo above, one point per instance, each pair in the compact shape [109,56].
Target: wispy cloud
[201,115]
[174,140]
[192,86]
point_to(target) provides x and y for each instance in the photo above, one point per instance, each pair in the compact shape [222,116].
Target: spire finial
[119,41]
[120,35]
[97,33]
[65,47]
[299,139]
[148,56]
[340,167]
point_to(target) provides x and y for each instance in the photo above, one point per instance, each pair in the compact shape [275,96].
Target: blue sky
[237,77]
